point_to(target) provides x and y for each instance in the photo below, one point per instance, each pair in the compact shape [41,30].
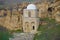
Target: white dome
[31,6]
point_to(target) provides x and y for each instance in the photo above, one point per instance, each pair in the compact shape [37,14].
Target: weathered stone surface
[22,36]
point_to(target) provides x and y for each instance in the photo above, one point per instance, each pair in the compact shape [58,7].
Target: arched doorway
[27,28]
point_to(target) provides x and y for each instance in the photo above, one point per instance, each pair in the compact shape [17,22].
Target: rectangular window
[29,14]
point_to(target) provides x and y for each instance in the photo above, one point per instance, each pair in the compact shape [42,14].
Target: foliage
[14,31]
[4,35]
[17,31]
[49,31]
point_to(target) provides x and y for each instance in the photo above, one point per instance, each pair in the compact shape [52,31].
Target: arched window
[33,27]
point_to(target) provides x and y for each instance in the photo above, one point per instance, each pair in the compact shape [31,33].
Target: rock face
[10,20]
[22,36]
[13,19]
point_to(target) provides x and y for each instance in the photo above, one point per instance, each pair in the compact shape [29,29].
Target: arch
[33,25]
[31,6]
[27,28]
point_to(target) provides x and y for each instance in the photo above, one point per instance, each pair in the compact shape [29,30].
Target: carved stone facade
[30,19]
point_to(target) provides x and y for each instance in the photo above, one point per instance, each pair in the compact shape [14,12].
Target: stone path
[22,36]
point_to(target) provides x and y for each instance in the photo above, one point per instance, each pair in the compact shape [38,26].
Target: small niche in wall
[33,27]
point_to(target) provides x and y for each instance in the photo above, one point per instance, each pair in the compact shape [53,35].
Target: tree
[4,35]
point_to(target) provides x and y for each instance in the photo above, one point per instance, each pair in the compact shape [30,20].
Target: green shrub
[48,32]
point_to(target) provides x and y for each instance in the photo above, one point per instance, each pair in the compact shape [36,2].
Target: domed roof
[31,6]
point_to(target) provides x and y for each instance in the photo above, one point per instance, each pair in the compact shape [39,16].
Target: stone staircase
[22,36]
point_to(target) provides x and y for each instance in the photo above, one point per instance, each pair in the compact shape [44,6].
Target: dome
[31,6]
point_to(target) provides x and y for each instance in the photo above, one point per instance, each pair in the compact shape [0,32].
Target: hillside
[49,31]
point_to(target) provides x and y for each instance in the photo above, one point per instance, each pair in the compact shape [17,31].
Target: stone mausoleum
[30,19]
